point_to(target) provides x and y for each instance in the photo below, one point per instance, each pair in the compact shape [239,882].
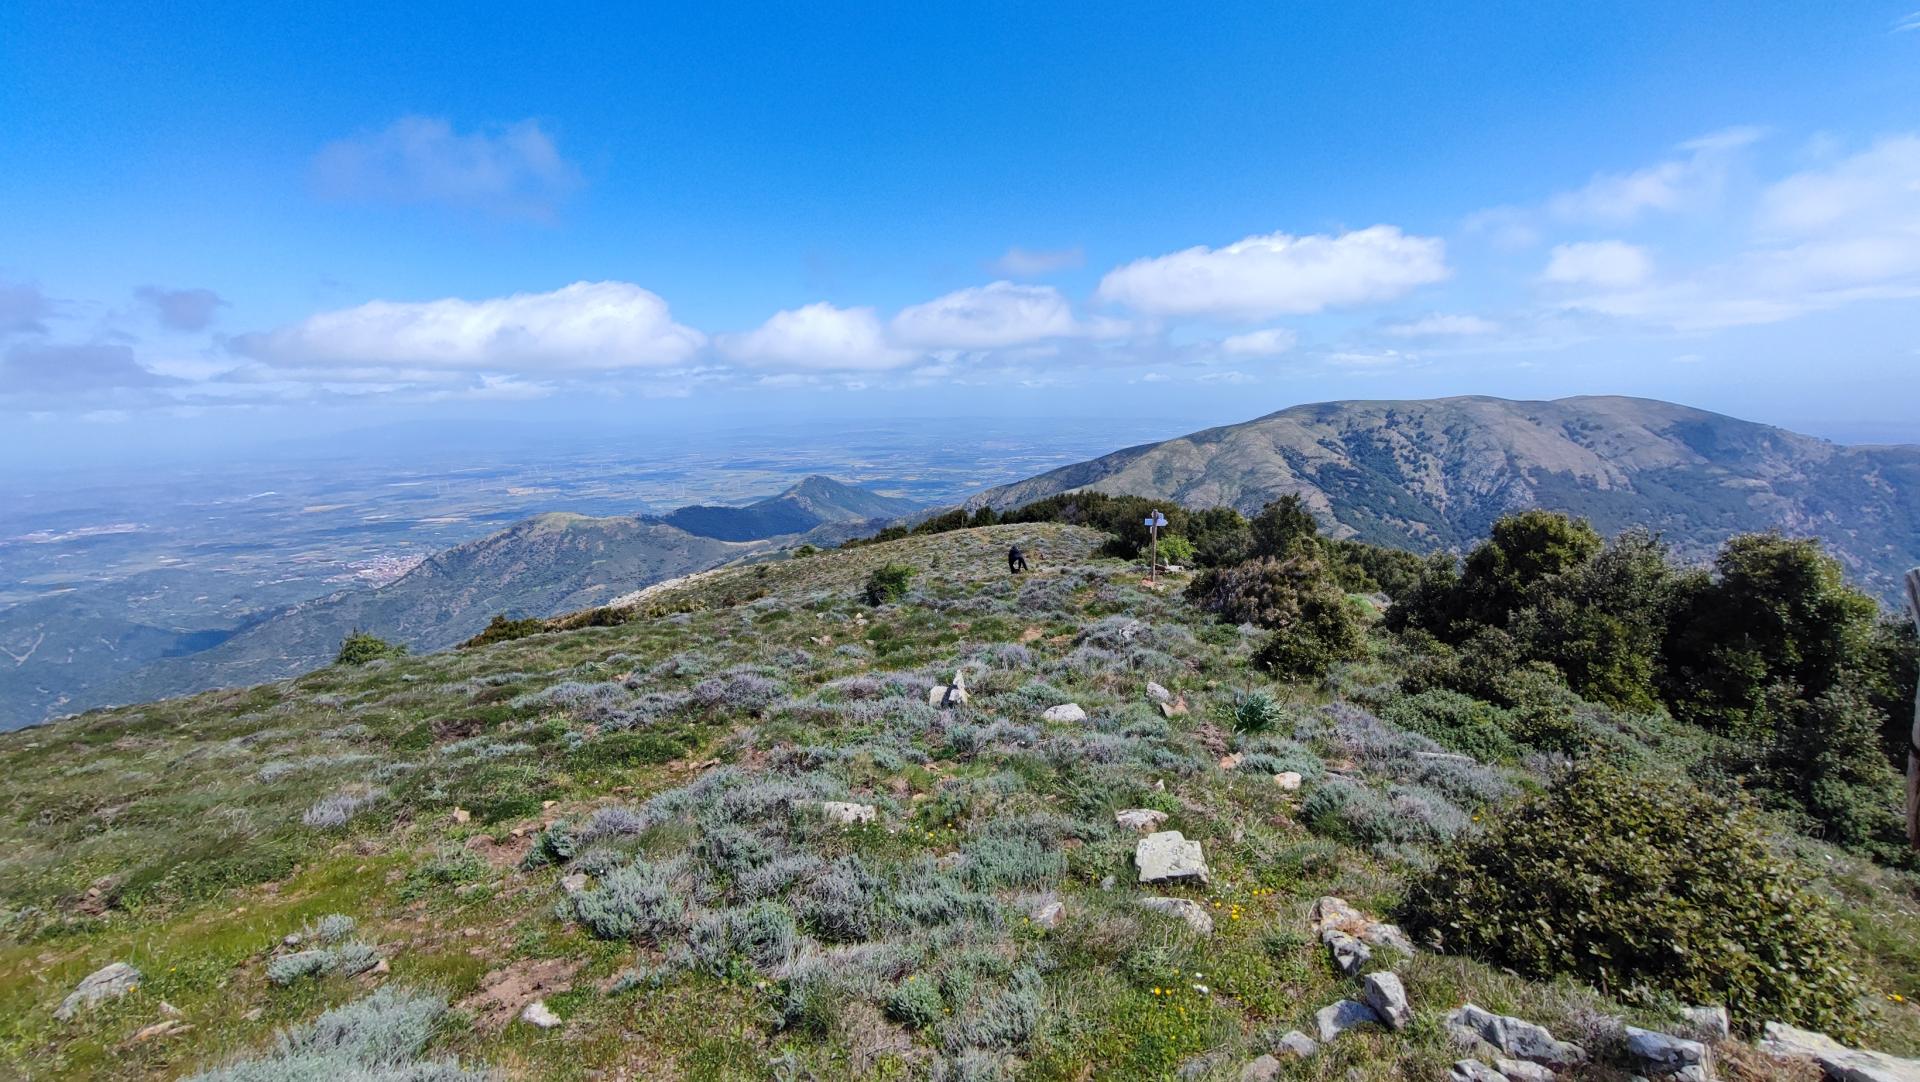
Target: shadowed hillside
[1435,474]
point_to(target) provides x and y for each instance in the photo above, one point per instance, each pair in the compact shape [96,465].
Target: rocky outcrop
[1841,1064]
[1196,917]
[1337,1018]
[1065,712]
[1660,1055]
[1169,855]
[1140,820]
[1388,998]
[1513,1037]
[107,982]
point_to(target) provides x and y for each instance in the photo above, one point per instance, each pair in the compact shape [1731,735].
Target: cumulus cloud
[582,327]
[1609,264]
[817,336]
[1676,184]
[38,368]
[1278,274]
[1439,325]
[182,309]
[23,309]
[514,170]
[986,317]
[1027,263]
[1267,343]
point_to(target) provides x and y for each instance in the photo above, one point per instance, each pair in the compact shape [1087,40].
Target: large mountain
[63,657]
[1434,474]
[815,501]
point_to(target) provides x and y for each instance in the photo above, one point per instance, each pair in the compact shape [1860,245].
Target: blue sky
[257,219]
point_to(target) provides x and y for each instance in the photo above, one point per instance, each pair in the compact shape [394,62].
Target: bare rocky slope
[1434,474]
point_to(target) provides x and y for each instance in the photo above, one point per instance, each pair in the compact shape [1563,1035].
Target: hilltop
[543,565]
[723,834]
[1435,474]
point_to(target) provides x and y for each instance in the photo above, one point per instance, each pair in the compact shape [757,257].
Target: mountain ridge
[1433,474]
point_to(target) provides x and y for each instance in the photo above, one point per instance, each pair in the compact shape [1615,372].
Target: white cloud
[1268,343]
[986,317]
[1609,264]
[514,170]
[1378,358]
[817,336]
[1907,22]
[1278,274]
[1677,184]
[584,326]
[1438,325]
[1027,263]
[1876,189]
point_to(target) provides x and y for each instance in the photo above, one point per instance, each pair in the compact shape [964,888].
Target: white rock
[1140,819]
[1516,1038]
[539,1014]
[1664,1056]
[946,696]
[1288,780]
[1157,693]
[1387,935]
[1837,1060]
[573,882]
[1169,855]
[1196,917]
[1337,1018]
[107,982]
[1048,912]
[1388,998]
[1263,1069]
[1331,912]
[1472,1070]
[841,811]
[1519,1070]
[1297,1045]
[1067,712]
[1349,954]
[1708,1023]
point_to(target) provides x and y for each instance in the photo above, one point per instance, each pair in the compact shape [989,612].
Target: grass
[691,732]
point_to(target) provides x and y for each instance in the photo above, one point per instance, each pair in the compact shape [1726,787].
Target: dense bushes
[360,647]
[1641,885]
[1314,625]
[888,582]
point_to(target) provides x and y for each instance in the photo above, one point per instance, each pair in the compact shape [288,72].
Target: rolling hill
[815,501]
[1434,474]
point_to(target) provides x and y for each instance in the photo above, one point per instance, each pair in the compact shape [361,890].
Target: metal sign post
[1154,521]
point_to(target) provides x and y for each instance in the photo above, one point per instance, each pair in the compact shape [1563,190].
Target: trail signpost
[1153,522]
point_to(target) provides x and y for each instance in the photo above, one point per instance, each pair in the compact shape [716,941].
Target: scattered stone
[461,815]
[505,993]
[255,1014]
[1349,954]
[1141,820]
[1157,693]
[161,1029]
[1519,1070]
[107,982]
[1169,855]
[1516,1038]
[841,811]
[1472,1070]
[1662,1056]
[1230,762]
[1288,781]
[1196,917]
[1048,912]
[1065,712]
[1297,1045]
[291,939]
[381,968]
[539,1014]
[1386,935]
[169,1009]
[1388,998]
[1331,912]
[1838,1061]
[573,882]
[1175,709]
[1708,1023]
[1337,1018]
[948,696]
[1264,1069]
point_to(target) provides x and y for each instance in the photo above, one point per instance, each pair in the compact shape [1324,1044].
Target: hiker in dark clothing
[1016,560]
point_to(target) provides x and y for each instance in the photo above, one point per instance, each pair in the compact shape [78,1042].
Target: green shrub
[360,647]
[888,582]
[626,749]
[1325,632]
[1642,886]
[1458,722]
[501,629]
[1176,550]
[916,1003]
[1256,712]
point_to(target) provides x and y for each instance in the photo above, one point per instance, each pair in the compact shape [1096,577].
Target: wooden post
[1913,736]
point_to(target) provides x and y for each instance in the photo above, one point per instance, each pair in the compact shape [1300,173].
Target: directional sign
[1155,520]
